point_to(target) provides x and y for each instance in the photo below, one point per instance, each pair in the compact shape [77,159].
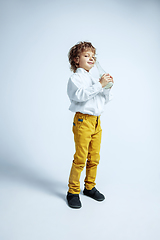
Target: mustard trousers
[87,136]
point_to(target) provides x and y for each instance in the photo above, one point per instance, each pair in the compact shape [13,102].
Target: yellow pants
[87,136]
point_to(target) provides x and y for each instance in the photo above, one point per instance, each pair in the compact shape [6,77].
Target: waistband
[85,116]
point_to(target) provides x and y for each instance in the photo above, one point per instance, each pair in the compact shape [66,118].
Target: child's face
[86,60]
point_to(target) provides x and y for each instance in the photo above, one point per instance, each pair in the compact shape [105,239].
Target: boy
[88,97]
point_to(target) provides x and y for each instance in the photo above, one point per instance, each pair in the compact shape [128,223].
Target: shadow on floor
[27,175]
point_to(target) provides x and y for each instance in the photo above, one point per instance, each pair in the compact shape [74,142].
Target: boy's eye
[88,56]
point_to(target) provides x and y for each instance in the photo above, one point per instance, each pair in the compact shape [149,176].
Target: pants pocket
[77,123]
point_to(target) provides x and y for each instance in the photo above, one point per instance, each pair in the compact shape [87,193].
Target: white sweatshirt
[86,93]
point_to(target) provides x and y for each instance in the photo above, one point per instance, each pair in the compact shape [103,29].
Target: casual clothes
[87,100]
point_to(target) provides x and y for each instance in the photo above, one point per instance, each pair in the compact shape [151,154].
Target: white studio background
[36,140]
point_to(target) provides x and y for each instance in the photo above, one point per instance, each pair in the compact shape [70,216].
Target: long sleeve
[79,92]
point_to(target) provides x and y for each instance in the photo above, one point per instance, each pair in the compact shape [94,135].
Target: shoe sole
[99,200]
[76,207]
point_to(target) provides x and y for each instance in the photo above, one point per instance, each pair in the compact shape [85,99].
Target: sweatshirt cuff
[108,94]
[106,91]
[98,86]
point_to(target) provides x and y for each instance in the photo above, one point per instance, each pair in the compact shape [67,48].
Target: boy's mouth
[90,62]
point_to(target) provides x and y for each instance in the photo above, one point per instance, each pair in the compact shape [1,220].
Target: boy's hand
[105,79]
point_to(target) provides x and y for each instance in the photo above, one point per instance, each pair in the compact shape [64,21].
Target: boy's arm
[77,92]
[105,79]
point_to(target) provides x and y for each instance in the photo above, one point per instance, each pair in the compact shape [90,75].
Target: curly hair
[75,52]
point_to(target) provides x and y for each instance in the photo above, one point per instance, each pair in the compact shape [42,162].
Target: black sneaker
[94,193]
[73,200]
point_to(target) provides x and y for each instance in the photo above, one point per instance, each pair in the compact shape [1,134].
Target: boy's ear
[76,60]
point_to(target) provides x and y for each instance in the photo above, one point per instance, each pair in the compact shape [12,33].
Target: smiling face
[86,60]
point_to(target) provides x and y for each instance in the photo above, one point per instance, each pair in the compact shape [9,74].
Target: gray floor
[33,207]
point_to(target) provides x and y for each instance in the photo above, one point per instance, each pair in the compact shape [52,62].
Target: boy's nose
[91,59]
